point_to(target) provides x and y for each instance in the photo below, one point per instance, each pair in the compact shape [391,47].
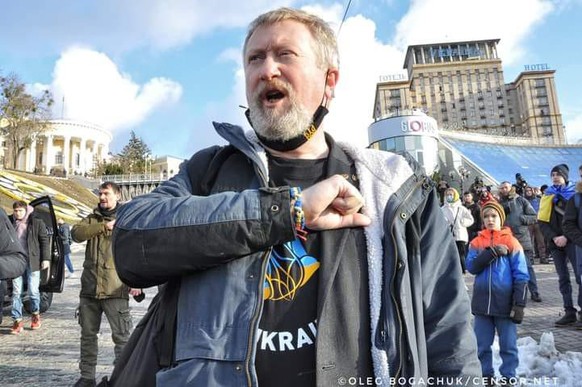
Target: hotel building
[461,85]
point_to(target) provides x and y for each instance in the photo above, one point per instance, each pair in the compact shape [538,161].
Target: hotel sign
[392,77]
[537,67]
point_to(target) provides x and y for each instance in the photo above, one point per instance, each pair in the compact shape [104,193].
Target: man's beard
[279,126]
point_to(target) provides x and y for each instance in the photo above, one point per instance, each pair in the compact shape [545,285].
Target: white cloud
[362,60]
[95,90]
[430,21]
[118,26]
[190,19]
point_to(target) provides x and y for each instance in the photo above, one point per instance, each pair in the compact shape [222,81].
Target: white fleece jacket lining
[380,175]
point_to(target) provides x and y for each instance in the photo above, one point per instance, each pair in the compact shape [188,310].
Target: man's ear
[331,80]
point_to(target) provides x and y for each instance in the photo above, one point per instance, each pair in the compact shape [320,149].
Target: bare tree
[23,116]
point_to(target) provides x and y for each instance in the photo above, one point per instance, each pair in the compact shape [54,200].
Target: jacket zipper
[490,279]
[397,306]
[256,316]
[254,320]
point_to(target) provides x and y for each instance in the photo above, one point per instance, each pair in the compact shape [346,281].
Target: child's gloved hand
[501,250]
[516,314]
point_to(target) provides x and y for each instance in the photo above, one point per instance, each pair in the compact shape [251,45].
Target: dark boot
[568,318]
[536,297]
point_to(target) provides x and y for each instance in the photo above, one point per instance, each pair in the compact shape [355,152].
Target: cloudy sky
[167,69]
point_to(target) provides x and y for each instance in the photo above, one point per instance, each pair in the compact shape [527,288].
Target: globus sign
[415,125]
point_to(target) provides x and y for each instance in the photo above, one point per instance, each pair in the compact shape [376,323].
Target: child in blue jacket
[497,260]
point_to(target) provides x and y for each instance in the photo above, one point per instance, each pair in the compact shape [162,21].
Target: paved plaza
[49,356]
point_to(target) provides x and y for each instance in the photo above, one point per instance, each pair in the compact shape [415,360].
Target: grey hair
[325,42]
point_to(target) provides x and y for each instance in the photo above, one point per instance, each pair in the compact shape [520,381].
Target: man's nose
[269,68]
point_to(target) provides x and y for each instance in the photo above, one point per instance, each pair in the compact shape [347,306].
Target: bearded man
[300,260]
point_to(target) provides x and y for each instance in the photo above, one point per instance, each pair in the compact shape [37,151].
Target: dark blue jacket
[420,328]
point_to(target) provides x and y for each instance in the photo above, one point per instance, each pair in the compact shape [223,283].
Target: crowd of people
[289,259]
[537,218]
[537,224]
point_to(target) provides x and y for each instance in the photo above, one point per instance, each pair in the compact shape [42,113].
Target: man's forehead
[265,36]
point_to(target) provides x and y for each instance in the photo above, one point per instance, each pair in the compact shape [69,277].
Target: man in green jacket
[101,289]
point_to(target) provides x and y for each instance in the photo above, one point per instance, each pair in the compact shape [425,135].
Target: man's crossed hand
[333,203]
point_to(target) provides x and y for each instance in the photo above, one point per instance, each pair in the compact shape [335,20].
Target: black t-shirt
[288,327]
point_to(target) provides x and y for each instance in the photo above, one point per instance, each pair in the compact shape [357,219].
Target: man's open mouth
[274,95]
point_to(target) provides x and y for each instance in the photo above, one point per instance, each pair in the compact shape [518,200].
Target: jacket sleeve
[529,215]
[13,261]
[67,238]
[450,341]
[466,217]
[43,240]
[520,276]
[86,229]
[170,232]
[477,260]
[570,223]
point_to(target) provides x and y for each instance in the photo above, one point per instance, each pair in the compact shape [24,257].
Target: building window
[59,158]
[77,160]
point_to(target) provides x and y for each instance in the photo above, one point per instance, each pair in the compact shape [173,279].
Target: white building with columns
[67,147]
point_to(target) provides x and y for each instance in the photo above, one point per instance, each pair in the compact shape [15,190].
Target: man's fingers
[347,206]
[356,220]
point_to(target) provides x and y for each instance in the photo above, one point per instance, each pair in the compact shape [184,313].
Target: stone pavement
[540,316]
[50,355]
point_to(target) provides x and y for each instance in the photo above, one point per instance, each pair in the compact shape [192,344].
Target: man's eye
[254,58]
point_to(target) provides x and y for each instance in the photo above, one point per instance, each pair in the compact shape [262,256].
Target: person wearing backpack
[306,260]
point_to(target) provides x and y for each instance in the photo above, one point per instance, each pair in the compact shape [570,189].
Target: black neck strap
[295,142]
